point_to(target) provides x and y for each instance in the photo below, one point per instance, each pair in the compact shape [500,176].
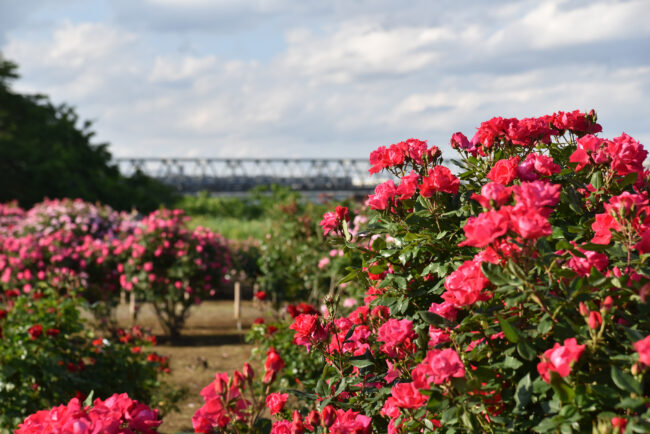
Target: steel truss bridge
[232,175]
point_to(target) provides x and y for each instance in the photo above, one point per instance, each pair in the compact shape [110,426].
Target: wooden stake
[238,304]
[132,306]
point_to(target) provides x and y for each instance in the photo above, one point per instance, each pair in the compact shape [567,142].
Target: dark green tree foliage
[45,153]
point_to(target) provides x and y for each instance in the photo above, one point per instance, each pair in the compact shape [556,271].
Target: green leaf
[563,390]
[597,180]
[341,387]
[349,333]
[512,363]
[625,381]
[524,392]
[321,388]
[349,277]
[629,179]
[434,319]
[631,403]
[495,274]
[516,270]
[89,399]
[526,351]
[511,333]
[363,363]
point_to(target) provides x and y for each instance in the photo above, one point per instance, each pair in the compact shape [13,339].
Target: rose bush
[171,266]
[48,356]
[509,297]
[98,252]
[295,262]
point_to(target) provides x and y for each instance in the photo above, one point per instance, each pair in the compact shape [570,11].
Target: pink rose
[384,193]
[406,395]
[439,179]
[504,171]
[275,402]
[643,348]
[438,367]
[465,285]
[559,359]
[486,228]
[394,333]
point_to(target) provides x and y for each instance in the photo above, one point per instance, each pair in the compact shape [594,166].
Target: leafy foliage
[48,356]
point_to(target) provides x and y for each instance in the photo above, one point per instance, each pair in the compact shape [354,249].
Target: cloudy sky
[337,78]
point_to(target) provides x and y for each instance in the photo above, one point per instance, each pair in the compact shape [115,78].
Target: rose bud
[595,320]
[248,371]
[328,416]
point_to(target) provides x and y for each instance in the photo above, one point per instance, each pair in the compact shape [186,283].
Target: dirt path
[211,343]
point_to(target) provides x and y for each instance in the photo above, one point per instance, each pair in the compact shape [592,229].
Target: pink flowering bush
[116,414]
[65,243]
[98,252]
[508,294]
[171,266]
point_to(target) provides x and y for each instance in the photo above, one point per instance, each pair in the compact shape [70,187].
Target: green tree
[46,151]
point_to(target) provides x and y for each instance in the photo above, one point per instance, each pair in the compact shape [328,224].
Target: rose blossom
[275,402]
[643,348]
[394,333]
[439,179]
[465,285]
[485,228]
[438,367]
[559,359]
[406,395]
[504,171]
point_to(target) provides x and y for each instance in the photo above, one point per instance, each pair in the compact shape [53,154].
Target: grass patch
[234,228]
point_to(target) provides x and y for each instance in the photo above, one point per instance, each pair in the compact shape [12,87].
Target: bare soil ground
[210,343]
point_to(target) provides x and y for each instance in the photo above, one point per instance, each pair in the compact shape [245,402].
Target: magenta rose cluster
[116,414]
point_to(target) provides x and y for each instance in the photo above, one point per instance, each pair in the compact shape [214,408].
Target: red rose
[440,179]
[275,402]
[487,227]
[328,416]
[408,186]
[530,223]
[406,395]
[383,194]
[52,332]
[272,365]
[394,333]
[602,226]
[35,331]
[308,330]
[595,320]
[465,285]
[438,367]
[504,171]
[350,422]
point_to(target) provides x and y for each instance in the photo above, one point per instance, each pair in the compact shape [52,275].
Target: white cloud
[556,23]
[347,82]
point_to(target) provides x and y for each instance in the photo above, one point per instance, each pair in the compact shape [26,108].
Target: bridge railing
[242,174]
